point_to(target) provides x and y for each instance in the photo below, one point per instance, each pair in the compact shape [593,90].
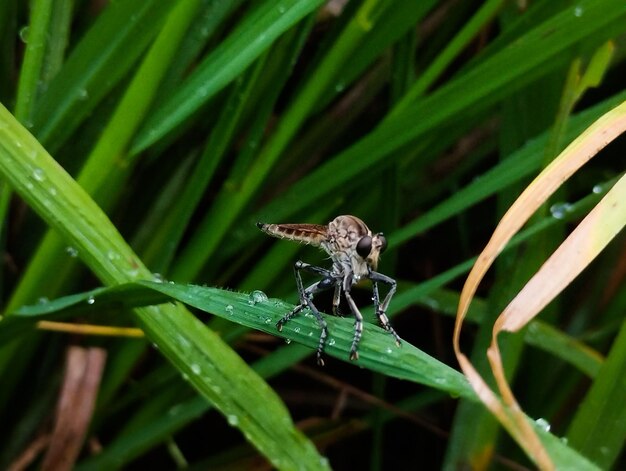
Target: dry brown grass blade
[84,367]
[585,147]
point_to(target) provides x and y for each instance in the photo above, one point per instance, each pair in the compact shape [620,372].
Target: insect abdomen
[313,234]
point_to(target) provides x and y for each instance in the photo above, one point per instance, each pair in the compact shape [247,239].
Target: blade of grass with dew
[109,151]
[484,15]
[212,367]
[377,351]
[392,24]
[212,15]
[34,56]
[254,34]
[110,48]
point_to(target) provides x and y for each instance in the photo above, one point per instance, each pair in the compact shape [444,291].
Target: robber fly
[354,251]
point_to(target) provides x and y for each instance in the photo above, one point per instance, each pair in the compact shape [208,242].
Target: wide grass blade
[215,370]
[377,351]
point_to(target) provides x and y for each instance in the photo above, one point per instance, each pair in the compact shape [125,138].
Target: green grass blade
[599,427]
[109,48]
[108,163]
[377,350]
[215,370]
[30,76]
[502,73]
[253,36]
[484,14]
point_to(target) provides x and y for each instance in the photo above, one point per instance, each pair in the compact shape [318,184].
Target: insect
[354,251]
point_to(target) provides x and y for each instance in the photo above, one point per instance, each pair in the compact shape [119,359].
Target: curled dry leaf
[580,248]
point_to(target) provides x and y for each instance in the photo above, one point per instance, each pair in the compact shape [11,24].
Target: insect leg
[306,300]
[381,309]
[358,323]
[336,298]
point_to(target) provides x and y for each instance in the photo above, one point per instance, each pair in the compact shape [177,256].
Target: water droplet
[39,175]
[597,189]
[297,330]
[174,410]
[311,334]
[91,300]
[232,419]
[113,255]
[157,277]
[268,320]
[229,309]
[195,369]
[564,440]
[433,304]
[287,341]
[388,350]
[71,251]
[331,342]
[185,376]
[83,94]
[52,191]
[339,87]
[578,11]
[257,296]
[282,9]
[559,210]
[543,424]
[23,33]
[43,300]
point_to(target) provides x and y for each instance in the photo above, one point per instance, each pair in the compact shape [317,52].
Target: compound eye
[383,243]
[364,247]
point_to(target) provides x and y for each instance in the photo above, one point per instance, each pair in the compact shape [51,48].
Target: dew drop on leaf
[257,296]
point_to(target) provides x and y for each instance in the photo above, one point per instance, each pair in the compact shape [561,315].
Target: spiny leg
[336,298]
[382,309]
[358,323]
[306,300]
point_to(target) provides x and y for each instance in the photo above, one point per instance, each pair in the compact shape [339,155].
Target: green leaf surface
[377,350]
